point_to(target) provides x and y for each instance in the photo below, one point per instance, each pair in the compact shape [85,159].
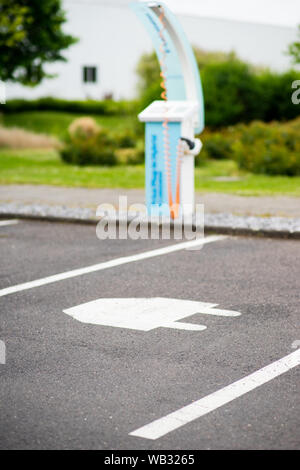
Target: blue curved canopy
[183,80]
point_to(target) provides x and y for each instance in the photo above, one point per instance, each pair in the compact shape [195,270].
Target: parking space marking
[111,264]
[175,420]
[3,223]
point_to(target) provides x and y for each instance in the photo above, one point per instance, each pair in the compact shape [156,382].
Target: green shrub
[201,159]
[275,96]
[234,91]
[272,149]
[152,93]
[88,144]
[125,139]
[204,58]
[231,94]
[83,127]
[92,152]
[131,155]
[148,68]
[216,145]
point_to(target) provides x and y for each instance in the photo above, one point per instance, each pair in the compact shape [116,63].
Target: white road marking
[8,222]
[110,264]
[175,420]
[144,314]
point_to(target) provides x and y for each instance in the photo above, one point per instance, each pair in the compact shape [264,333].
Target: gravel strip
[44,211]
[222,222]
[284,226]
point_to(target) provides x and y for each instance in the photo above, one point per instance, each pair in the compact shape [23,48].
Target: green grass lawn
[45,167]
[57,123]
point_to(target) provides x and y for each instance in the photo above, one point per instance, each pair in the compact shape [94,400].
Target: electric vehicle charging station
[180,116]
[171,123]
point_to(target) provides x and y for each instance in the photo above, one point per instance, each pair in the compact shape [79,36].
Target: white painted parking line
[111,264]
[3,223]
[175,420]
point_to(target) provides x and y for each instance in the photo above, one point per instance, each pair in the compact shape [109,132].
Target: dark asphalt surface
[69,385]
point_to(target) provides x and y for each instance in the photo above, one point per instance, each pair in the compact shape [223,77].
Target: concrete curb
[275,227]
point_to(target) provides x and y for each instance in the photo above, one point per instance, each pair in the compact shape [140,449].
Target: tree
[31,36]
[294,49]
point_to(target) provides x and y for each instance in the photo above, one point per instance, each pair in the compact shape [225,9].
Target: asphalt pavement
[69,383]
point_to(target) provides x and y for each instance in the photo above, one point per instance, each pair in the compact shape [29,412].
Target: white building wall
[112,38]
[259,44]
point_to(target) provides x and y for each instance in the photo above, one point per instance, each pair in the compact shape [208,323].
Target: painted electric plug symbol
[145,314]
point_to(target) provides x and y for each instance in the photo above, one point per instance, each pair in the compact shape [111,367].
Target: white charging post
[181,116]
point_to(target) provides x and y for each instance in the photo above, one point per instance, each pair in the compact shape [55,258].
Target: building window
[90,74]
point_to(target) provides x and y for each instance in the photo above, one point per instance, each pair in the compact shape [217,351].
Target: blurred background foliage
[31,35]
[294,49]
[234,91]
[252,127]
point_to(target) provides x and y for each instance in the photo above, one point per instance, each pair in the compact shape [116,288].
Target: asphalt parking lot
[69,382]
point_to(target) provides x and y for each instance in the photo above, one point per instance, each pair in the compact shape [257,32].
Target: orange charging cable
[174,206]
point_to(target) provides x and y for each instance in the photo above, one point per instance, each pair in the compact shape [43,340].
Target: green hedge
[266,148]
[234,91]
[272,149]
[107,107]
